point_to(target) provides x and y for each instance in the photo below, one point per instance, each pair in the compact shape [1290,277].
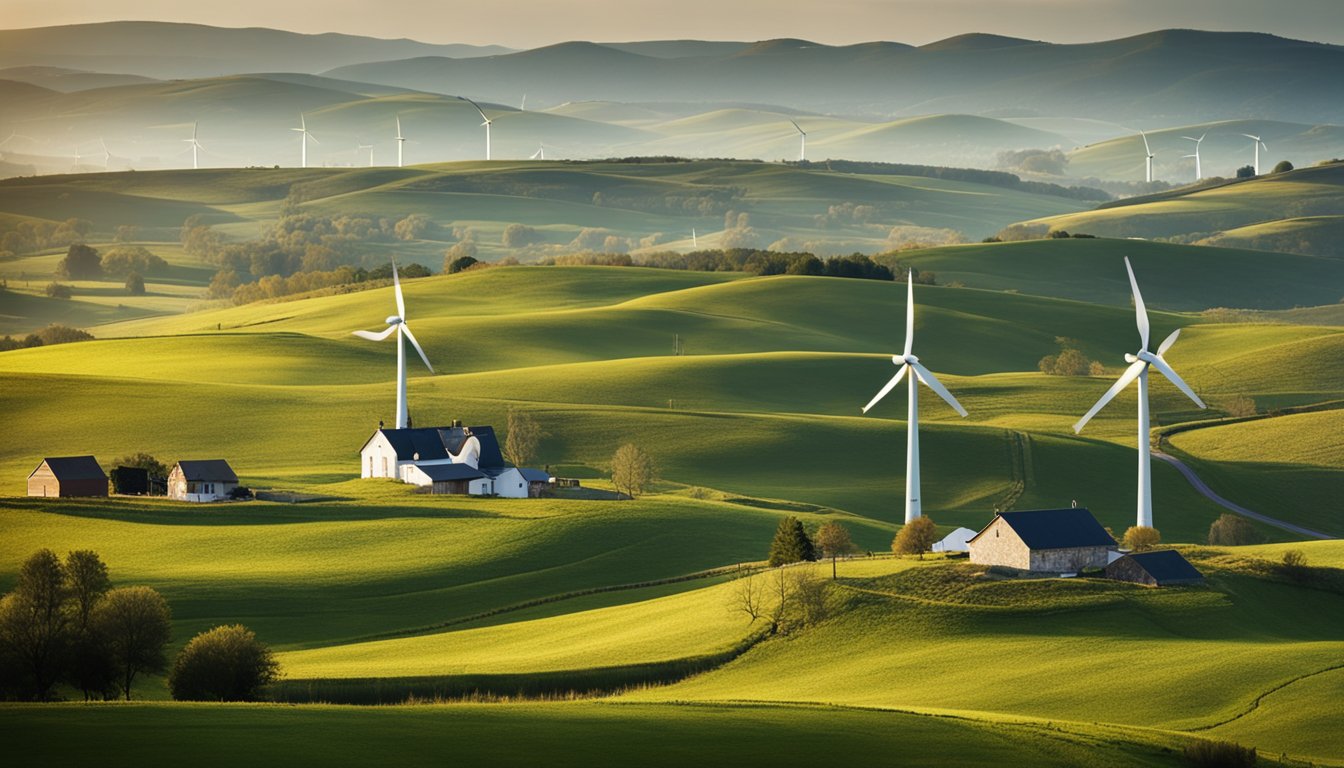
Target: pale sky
[530,23]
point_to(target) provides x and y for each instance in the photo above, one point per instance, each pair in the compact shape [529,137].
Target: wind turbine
[362,147]
[1148,152]
[1257,144]
[401,140]
[195,147]
[540,154]
[523,106]
[397,323]
[802,142]
[486,124]
[905,362]
[106,155]
[1199,174]
[695,243]
[303,139]
[1138,369]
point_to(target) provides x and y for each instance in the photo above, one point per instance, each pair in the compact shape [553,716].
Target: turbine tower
[397,323]
[1199,173]
[540,154]
[401,140]
[1257,143]
[486,124]
[905,362]
[106,155]
[1148,153]
[303,140]
[195,147]
[361,147]
[1138,369]
[802,143]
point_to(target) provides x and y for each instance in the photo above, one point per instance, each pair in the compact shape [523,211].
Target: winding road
[1204,489]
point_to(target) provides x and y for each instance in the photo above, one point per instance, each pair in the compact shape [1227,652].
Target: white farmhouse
[207,480]
[450,460]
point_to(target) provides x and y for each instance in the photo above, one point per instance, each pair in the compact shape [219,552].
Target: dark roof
[435,443]
[535,475]
[74,468]
[444,472]
[1056,528]
[1166,566]
[212,470]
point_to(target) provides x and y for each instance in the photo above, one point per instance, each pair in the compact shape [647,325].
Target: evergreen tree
[791,543]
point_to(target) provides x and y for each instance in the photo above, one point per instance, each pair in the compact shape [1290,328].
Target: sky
[530,23]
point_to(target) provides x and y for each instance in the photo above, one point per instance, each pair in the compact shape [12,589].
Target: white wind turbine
[1257,144]
[1138,369]
[1148,153]
[907,361]
[540,154]
[401,140]
[106,155]
[397,323]
[195,147]
[486,124]
[303,139]
[1199,173]
[802,142]
[361,147]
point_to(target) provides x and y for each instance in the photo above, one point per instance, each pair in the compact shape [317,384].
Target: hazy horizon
[915,22]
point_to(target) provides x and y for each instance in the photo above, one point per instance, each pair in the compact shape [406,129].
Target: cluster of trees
[129,263]
[225,284]
[29,236]
[991,178]
[52,334]
[753,261]
[1070,361]
[1231,530]
[1050,162]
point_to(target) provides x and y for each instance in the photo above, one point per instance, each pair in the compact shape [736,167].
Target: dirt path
[1204,489]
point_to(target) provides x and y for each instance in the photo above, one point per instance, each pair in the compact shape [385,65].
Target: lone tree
[135,284]
[34,623]
[1231,530]
[632,470]
[1140,538]
[90,664]
[81,262]
[791,544]
[915,537]
[135,627]
[520,445]
[833,540]
[227,663]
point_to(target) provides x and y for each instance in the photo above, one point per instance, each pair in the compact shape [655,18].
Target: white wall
[378,459]
[511,484]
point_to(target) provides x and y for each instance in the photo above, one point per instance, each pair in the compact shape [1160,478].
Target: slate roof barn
[1161,568]
[68,476]
[1046,540]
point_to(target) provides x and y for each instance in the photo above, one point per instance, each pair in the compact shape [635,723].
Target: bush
[1230,530]
[461,256]
[1246,172]
[1283,166]
[915,537]
[1140,538]
[126,260]
[80,263]
[59,290]
[1219,754]
[135,284]
[1294,565]
[227,663]
[240,493]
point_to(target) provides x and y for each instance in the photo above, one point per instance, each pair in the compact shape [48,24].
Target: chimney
[457,423]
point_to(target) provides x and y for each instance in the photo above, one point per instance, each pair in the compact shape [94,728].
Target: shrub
[1230,530]
[461,256]
[59,290]
[1219,754]
[226,663]
[915,537]
[135,284]
[1246,172]
[1294,565]
[80,263]
[60,334]
[1283,166]
[1140,538]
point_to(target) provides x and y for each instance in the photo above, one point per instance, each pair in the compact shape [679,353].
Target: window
[385,467]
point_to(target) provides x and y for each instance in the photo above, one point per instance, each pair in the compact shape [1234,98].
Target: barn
[449,478]
[520,483]
[1043,541]
[201,480]
[66,476]
[1161,568]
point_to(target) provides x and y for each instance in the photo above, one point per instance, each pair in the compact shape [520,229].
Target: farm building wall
[999,544]
[379,458]
[43,482]
[1126,569]
[1068,559]
[181,489]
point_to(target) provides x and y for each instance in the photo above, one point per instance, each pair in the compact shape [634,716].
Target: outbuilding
[955,541]
[1159,568]
[201,480]
[66,476]
[462,479]
[1043,541]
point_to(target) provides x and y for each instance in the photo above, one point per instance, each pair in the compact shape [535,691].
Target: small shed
[458,479]
[518,482]
[66,476]
[130,481]
[1160,568]
[955,541]
[201,480]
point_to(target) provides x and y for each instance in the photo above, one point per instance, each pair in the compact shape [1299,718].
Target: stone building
[1043,540]
[1162,568]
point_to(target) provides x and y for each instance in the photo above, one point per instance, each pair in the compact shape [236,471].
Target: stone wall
[1000,545]
[1068,560]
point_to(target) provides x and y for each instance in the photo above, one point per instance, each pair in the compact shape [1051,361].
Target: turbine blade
[1140,311]
[396,288]
[1175,378]
[1165,345]
[371,336]
[1131,373]
[909,312]
[1146,148]
[926,376]
[411,337]
[890,385]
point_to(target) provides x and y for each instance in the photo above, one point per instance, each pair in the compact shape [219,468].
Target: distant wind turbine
[397,323]
[486,124]
[362,147]
[1138,369]
[523,106]
[540,154]
[303,140]
[907,361]
[802,142]
[401,140]
[195,147]
[1148,153]
[694,242]
[1257,144]
[106,155]
[1199,173]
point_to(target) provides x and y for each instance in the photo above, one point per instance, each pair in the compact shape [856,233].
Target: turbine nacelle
[394,320]
[903,359]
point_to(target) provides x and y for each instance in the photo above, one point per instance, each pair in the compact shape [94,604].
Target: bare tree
[748,596]
[520,445]
[632,471]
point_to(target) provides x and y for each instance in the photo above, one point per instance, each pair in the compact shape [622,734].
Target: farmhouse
[1043,540]
[205,480]
[1163,568]
[455,459]
[68,476]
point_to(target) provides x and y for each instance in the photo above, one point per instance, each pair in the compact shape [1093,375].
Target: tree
[125,259]
[1294,565]
[226,663]
[59,290]
[135,626]
[749,596]
[460,257]
[632,470]
[1231,530]
[35,622]
[520,444]
[915,537]
[1283,166]
[152,466]
[791,544]
[1246,172]
[135,284]
[81,262]
[1139,538]
[91,668]
[833,540]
